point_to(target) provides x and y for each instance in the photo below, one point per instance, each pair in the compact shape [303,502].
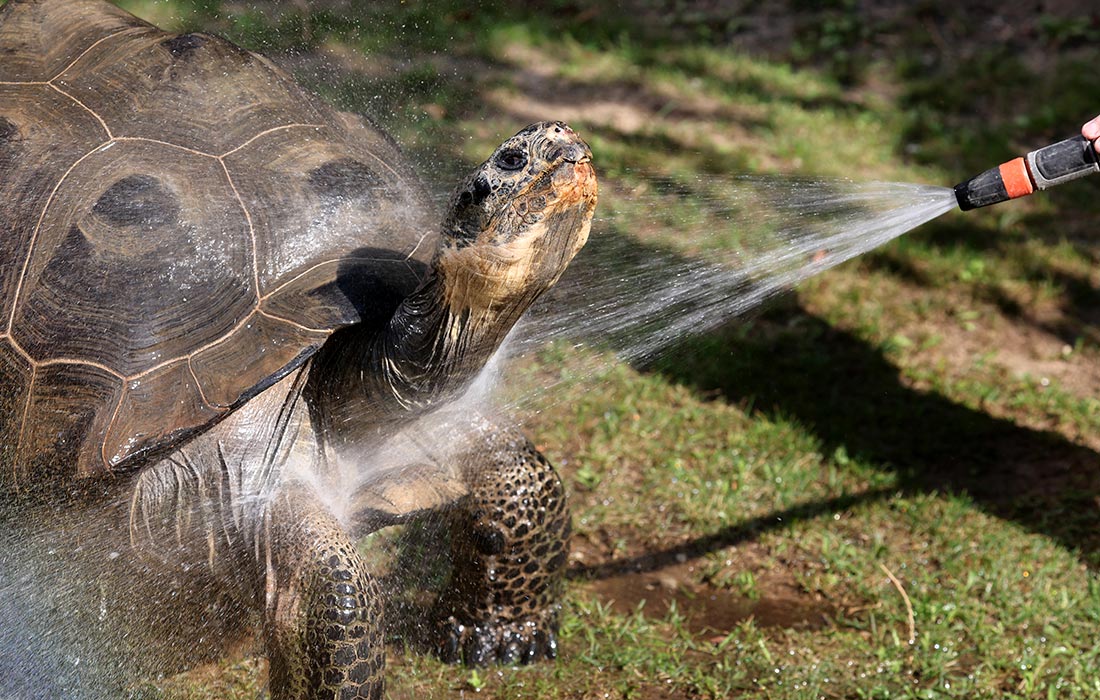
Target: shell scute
[47,134]
[38,40]
[133,282]
[261,347]
[181,412]
[70,409]
[202,93]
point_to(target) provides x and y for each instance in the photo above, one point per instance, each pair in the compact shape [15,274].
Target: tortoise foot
[508,644]
[509,546]
[324,628]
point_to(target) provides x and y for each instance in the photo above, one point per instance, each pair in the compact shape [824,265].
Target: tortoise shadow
[793,364]
[787,362]
[375,281]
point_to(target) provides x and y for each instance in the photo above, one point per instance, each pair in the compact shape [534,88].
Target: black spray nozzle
[1039,170]
[987,188]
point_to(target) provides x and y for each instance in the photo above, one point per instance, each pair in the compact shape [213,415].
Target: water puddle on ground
[708,610]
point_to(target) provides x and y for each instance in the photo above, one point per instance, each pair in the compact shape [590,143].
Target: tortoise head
[516,222]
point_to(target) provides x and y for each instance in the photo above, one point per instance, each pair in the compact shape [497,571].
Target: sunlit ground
[758,509]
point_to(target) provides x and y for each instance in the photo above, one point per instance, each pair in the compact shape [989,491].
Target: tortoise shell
[182,225]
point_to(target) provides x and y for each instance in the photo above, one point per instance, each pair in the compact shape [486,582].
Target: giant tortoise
[217,292]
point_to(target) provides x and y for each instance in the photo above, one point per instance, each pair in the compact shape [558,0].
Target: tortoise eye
[512,159]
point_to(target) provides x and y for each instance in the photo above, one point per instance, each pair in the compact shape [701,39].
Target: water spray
[1039,170]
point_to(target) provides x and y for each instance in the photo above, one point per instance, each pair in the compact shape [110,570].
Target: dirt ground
[632,569]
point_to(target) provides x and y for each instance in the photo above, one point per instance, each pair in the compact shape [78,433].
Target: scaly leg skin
[324,613]
[510,541]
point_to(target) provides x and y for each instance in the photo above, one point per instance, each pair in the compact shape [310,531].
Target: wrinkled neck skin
[370,384]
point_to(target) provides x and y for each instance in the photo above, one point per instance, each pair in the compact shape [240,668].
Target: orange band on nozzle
[1016,178]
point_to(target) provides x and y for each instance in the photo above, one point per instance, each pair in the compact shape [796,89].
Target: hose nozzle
[1039,170]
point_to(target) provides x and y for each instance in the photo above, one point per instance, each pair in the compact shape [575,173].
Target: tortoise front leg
[509,544]
[324,630]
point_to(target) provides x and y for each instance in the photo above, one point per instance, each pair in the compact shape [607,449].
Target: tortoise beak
[579,152]
[576,150]
[575,163]
[571,147]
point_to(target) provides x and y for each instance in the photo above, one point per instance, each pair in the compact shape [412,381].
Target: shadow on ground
[792,364]
[846,392]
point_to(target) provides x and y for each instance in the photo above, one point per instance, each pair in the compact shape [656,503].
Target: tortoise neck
[369,383]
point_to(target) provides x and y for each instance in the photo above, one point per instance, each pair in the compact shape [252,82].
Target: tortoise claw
[510,644]
[551,651]
[450,650]
[509,655]
[532,653]
[478,650]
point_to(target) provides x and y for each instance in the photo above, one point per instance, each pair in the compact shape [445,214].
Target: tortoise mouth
[583,183]
[571,180]
[573,153]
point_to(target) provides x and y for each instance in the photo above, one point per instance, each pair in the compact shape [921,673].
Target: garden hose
[1039,170]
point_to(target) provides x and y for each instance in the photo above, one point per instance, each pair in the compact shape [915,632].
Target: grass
[929,409]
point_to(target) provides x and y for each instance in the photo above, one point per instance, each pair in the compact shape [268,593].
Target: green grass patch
[928,410]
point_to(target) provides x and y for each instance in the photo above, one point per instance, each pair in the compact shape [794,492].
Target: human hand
[1091,131]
